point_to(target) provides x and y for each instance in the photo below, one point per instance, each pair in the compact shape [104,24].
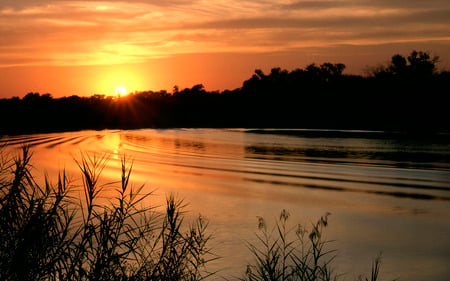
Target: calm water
[386,193]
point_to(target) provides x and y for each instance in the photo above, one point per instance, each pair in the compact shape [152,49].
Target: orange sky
[69,47]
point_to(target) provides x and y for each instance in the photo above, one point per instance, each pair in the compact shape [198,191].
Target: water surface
[387,193]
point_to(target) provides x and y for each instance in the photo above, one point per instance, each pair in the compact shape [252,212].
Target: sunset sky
[91,47]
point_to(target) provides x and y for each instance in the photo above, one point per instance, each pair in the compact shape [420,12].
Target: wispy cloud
[68,32]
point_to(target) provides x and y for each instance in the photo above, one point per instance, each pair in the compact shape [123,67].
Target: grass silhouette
[295,253]
[46,233]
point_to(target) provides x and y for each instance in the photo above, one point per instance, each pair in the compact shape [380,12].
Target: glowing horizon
[185,42]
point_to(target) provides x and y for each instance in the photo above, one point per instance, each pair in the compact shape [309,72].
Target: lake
[386,192]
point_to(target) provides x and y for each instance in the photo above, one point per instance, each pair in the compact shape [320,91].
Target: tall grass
[295,253]
[46,233]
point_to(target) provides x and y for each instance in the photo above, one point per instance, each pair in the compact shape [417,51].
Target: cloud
[372,4]
[65,32]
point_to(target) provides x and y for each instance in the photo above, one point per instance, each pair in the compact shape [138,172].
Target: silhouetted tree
[421,64]
[395,96]
[175,90]
[418,65]
[398,65]
[31,97]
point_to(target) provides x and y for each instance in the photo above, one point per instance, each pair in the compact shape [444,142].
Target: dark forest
[409,94]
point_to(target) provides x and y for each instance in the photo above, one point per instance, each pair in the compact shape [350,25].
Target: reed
[295,253]
[46,233]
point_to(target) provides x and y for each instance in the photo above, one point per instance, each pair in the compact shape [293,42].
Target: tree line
[408,93]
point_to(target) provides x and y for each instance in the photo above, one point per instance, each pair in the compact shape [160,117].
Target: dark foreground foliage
[46,234]
[295,254]
[408,94]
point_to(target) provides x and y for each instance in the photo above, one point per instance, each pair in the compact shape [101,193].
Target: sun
[120,91]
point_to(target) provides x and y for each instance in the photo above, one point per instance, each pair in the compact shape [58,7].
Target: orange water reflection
[380,198]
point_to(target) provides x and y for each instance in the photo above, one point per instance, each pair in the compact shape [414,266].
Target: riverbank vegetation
[296,253]
[408,94]
[61,232]
[48,232]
